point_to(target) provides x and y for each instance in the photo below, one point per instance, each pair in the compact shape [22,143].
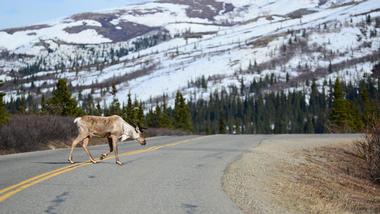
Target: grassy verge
[303,174]
[332,179]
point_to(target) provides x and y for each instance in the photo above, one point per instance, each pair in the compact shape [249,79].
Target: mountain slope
[170,45]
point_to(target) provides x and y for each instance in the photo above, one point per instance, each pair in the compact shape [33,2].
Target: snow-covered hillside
[168,45]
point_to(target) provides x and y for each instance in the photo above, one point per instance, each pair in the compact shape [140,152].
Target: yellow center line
[33,178]
[13,189]
[21,188]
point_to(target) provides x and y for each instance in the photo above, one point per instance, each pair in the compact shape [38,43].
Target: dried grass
[331,180]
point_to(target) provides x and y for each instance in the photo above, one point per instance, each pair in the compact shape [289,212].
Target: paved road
[170,175]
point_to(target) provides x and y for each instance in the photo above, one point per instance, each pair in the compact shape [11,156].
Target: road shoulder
[269,179]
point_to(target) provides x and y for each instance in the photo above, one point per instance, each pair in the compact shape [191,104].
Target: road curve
[170,175]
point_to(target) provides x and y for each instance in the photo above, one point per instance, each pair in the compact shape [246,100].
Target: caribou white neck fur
[114,128]
[129,132]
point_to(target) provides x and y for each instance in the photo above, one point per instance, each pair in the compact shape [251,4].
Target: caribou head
[135,132]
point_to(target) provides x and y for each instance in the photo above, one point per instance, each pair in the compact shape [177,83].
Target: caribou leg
[85,143]
[73,145]
[115,148]
[104,155]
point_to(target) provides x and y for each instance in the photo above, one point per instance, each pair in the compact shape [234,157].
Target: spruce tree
[140,115]
[43,104]
[368,19]
[115,107]
[135,112]
[157,116]
[182,117]
[339,115]
[177,110]
[98,110]
[62,103]
[114,90]
[309,126]
[32,105]
[21,105]
[164,119]
[88,105]
[4,115]
[150,119]
[368,107]
[314,99]
[128,112]
[355,118]
[222,126]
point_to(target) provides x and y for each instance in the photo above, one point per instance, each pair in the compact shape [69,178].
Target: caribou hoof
[93,161]
[71,162]
[119,163]
[103,156]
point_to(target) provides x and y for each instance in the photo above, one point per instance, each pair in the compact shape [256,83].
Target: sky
[17,13]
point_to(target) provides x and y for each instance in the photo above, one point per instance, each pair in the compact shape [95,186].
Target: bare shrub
[35,132]
[26,133]
[369,149]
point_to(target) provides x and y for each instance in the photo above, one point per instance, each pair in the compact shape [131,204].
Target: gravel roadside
[252,180]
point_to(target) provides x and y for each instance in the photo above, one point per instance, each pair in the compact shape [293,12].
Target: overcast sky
[16,13]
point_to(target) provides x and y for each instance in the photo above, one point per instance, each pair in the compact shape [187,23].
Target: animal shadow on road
[65,162]
[59,199]
[99,162]
[189,208]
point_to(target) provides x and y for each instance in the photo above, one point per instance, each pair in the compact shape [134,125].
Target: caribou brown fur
[114,128]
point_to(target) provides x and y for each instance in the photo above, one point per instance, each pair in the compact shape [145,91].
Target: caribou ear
[142,129]
[133,125]
[136,126]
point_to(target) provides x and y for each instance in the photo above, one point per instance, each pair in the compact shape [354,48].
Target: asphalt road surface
[169,175]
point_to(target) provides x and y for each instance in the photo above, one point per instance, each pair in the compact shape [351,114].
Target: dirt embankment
[302,174]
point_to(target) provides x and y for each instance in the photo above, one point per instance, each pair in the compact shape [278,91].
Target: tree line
[250,109]
[4,116]
[62,103]
[338,107]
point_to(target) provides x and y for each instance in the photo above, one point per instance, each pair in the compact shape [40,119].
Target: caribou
[114,128]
